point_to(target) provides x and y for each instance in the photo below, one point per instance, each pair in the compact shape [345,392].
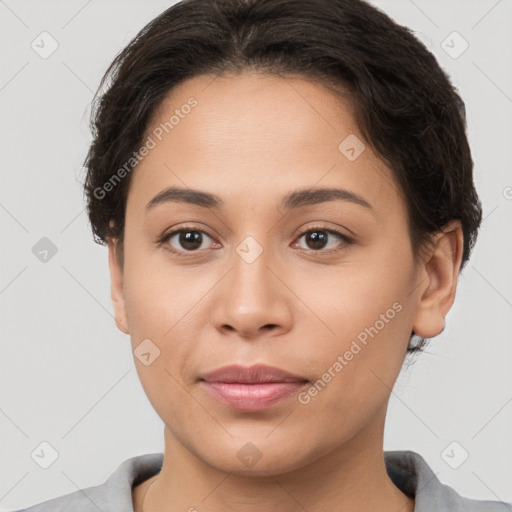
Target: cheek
[163,323]
[356,367]
[362,329]
[347,300]
[170,307]
[158,294]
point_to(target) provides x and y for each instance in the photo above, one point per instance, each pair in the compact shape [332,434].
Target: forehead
[259,132]
[252,108]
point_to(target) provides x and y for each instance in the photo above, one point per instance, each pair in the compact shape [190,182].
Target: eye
[185,240]
[318,239]
[189,240]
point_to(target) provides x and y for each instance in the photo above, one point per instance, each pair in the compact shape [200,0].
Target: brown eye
[185,240]
[318,239]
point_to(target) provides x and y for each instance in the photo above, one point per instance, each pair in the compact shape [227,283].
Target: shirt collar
[407,469]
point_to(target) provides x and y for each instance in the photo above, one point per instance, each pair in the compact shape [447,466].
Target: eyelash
[167,236]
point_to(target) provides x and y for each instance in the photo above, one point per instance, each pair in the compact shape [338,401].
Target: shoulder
[410,472]
[84,500]
[111,496]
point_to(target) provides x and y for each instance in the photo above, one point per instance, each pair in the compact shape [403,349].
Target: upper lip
[258,373]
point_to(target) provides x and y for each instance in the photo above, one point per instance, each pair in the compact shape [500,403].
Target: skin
[252,139]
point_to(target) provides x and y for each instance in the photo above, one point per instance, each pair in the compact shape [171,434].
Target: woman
[285,188]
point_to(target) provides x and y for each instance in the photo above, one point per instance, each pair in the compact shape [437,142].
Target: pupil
[193,239]
[318,239]
[190,239]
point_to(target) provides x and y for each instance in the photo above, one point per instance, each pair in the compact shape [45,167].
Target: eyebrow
[295,199]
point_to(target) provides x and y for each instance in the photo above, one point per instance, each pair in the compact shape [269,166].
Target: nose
[253,299]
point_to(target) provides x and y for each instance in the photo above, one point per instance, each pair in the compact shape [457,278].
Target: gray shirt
[407,469]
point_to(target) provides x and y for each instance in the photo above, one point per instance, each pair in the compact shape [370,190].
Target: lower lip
[252,397]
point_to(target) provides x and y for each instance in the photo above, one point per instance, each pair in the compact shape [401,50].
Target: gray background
[67,374]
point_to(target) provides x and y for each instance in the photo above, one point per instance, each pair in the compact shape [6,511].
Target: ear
[438,281]
[116,286]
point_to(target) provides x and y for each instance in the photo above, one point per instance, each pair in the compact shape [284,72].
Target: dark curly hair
[405,105]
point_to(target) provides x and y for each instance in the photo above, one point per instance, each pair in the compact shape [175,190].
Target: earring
[415,340]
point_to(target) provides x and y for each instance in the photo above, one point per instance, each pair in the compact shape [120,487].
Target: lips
[256,374]
[251,388]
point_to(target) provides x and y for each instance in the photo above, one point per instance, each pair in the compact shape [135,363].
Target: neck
[352,478]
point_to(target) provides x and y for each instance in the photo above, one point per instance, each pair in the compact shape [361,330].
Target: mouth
[252,397]
[251,388]
[256,374]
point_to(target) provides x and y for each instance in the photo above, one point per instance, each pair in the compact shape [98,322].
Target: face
[322,286]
